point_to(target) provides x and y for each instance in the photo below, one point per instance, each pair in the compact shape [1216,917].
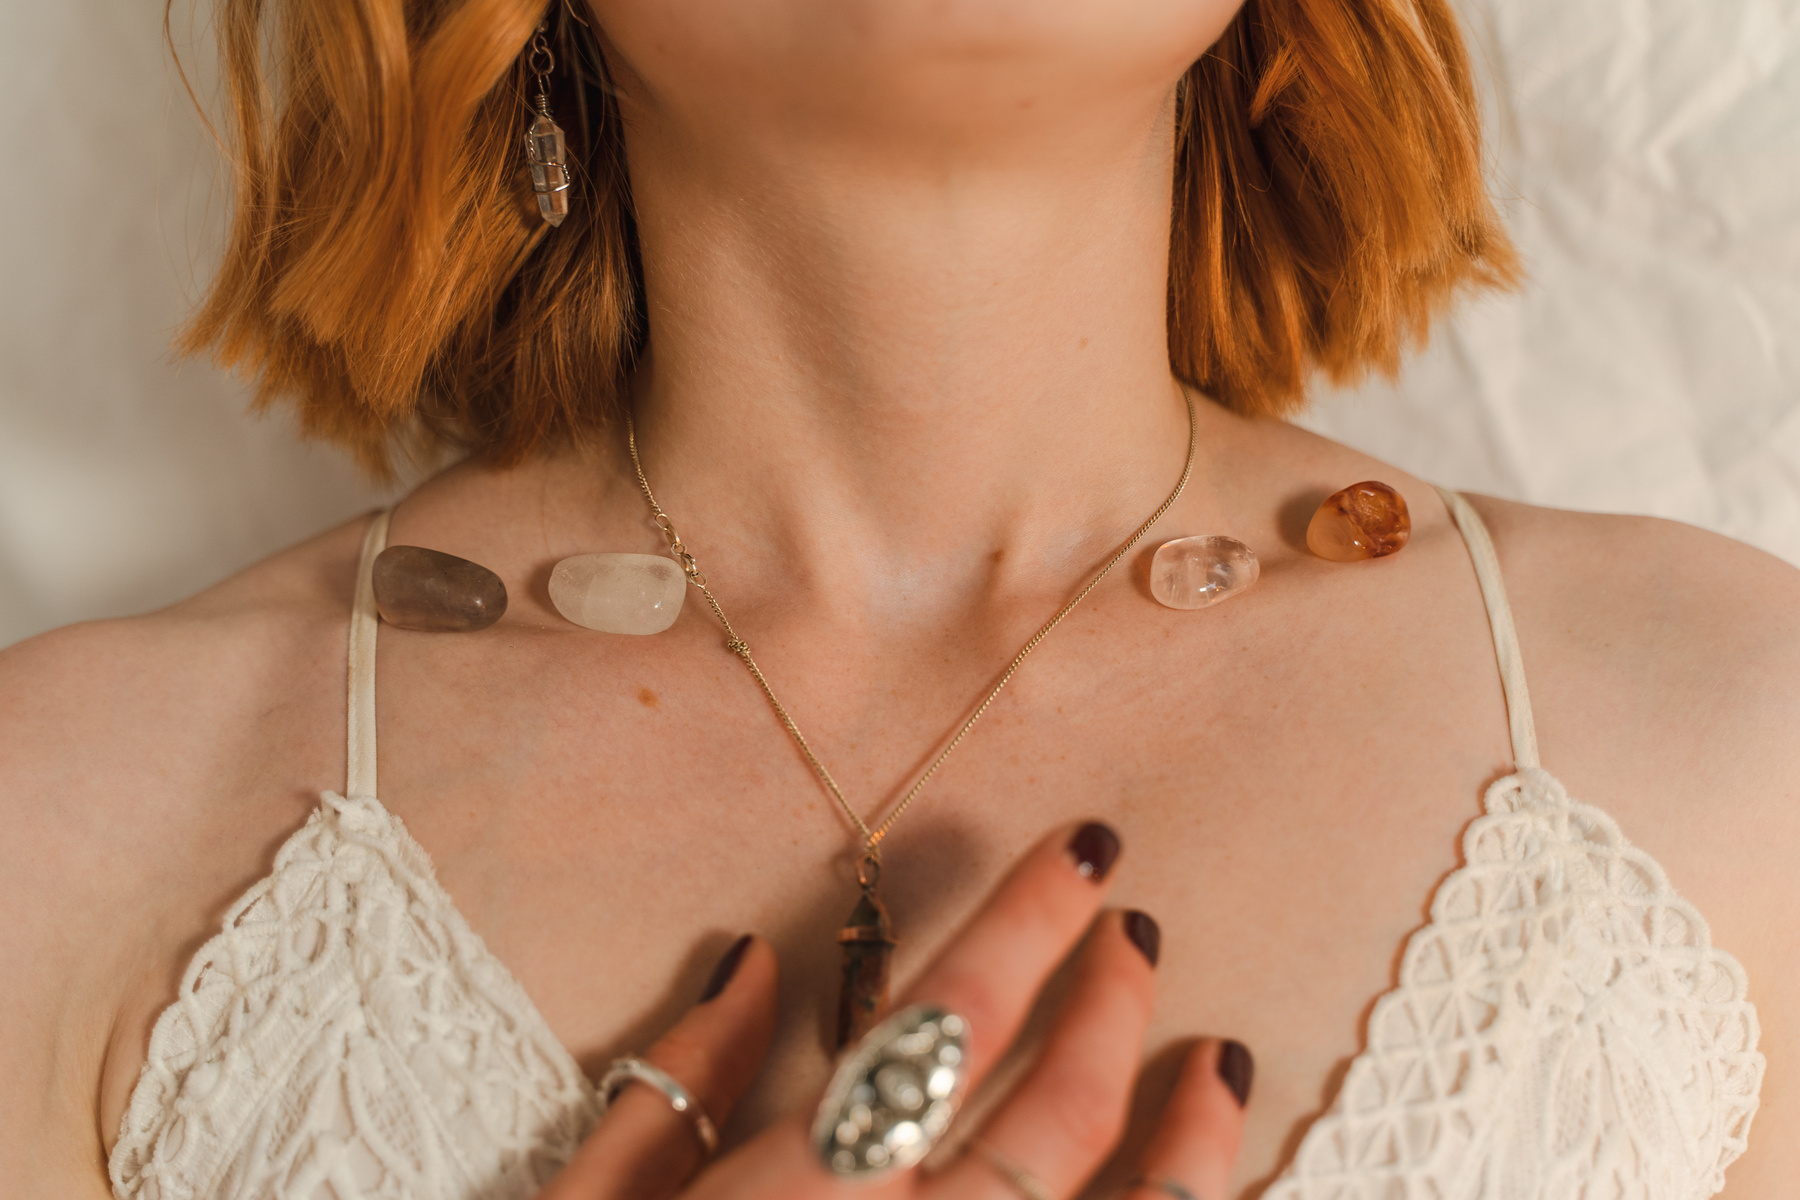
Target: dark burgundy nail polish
[727,967]
[1144,933]
[1094,847]
[1237,1069]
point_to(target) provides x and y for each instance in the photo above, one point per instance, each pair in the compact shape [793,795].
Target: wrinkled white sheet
[1647,151]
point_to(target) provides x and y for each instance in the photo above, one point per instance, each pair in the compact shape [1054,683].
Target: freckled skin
[906,271]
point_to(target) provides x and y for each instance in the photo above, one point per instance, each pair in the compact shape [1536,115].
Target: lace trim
[347,1033]
[1562,1028]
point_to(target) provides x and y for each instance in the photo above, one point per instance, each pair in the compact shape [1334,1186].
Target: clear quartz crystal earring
[545,147]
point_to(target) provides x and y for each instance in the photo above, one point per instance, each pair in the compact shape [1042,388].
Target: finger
[992,972]
[643,1148]
[1064,1119]
[1196,1144]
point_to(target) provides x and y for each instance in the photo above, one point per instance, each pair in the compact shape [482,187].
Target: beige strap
[1500,620]
[364,621]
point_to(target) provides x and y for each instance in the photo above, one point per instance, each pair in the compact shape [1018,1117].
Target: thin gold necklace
[867,938]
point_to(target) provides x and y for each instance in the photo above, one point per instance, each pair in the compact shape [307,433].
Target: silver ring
[893,1095]
[1167,1187]
[624,1070]
[1023,1181]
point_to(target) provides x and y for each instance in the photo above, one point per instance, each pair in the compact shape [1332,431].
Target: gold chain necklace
[867,938]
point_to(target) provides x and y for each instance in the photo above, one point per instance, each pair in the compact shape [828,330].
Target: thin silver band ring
[1167,1187]
[1023,1182]
[624,1070]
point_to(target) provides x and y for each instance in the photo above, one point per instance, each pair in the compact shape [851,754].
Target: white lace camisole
[1562,1029]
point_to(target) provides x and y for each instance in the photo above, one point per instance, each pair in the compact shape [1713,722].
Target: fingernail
[727,967]
[1144,933]
[1237,1069]
[1094,847]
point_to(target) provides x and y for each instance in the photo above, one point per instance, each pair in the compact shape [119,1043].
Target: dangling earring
[545,147]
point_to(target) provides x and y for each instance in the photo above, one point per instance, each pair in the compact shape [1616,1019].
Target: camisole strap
[364,621]
[1506,639]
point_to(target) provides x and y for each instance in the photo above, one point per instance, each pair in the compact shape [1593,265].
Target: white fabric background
[1647,153]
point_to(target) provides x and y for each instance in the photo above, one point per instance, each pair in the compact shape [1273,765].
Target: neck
[889,372]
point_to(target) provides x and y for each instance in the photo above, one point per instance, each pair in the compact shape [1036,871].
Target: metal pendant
[868,942]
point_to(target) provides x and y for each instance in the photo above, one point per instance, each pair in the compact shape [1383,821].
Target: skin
[1063,1118]
[906,269]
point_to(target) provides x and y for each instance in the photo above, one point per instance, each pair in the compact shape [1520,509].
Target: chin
[931,61]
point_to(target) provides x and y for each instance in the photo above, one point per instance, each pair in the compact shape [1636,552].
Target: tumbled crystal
[416,588]
[1365,520]
[1193,572]
[619,593]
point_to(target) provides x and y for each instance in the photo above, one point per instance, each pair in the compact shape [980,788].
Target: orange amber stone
[1365,520]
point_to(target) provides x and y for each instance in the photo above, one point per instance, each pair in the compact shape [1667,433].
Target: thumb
[643,1147]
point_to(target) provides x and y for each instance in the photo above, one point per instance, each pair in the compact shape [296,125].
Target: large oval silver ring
[625,1070]
[894,1094]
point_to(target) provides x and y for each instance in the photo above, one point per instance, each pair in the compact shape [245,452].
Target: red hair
[387,274]
[1329,197]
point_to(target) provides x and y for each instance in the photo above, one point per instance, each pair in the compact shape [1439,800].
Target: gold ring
[1023,1181]
[625,1070]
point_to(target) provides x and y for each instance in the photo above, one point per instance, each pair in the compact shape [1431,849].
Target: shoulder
[1636,622]
[147,764]
[135,699]
[1664,667]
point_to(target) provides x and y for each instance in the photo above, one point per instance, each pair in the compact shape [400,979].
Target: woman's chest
[1287,842]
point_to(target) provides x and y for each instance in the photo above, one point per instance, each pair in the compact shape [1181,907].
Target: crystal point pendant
[868,942]
[1364,520]
[429,590]
[546,151]
[619,593]
[1195,572]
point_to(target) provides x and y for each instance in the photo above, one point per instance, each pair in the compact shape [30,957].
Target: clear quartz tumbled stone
[619,593]
[1194,572]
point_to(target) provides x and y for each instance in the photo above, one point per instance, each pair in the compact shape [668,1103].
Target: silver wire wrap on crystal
[625,1070]
[545,148]
[894,1095]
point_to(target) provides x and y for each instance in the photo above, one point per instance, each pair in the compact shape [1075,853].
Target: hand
[1060,1123]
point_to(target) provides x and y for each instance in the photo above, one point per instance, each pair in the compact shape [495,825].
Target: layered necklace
[867,938]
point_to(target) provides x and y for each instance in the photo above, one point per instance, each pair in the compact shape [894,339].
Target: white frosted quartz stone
[1194,572]
[619,593]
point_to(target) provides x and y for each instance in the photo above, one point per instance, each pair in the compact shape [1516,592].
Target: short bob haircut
[387,273]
